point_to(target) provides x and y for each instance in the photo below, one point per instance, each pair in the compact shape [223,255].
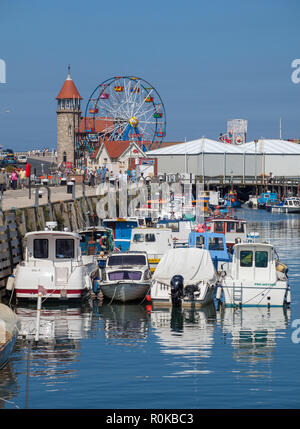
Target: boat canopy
[195,265]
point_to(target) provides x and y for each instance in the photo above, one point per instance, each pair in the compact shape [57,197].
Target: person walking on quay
[22,176]
[2,181]
[92,179]
[102,174]
[14,179]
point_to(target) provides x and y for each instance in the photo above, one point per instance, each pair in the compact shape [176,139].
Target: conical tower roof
[68,89]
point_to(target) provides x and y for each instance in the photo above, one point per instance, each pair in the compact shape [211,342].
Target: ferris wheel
[126,108]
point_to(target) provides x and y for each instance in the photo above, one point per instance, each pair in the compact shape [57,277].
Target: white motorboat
[198,278]
[289,205]
[255,277]
[155,241]
[127,276]
[53,265]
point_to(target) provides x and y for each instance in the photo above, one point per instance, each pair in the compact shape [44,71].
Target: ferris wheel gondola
[127,108]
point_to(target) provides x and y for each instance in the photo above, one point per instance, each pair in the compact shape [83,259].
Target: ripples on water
[127,356]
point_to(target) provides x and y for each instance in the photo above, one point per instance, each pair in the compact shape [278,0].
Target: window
[65,157]
[174,226]
[40,248]
[239,227]
[199,241]
[64,248]
[125,275]
[261,259]
[70,131]
[219,226]
[215,243]
[149,238]
[132,260]
[246,258]
[230,226]
[138,238]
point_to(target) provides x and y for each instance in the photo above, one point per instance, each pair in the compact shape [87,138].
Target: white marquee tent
[213,158]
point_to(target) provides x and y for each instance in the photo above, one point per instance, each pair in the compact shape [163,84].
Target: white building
[214,158]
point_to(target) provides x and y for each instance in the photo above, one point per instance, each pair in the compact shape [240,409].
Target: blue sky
[210,61]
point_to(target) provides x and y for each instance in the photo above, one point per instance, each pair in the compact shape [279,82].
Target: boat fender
[280,266]
[96,286]
[10,282]
[88,282]
[219,293]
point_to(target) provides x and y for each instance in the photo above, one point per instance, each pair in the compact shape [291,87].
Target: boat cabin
[96,240]
[52,246]
[213,242]
[155,241]
[267,197]
[254,262]
[121,229]
[126,266]
[233,229]
[180,228]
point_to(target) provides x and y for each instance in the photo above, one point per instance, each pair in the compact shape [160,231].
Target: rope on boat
[113,295]
[145,295]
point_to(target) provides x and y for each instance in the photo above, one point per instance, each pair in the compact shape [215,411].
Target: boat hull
[6,350]
[9,326]
[125,291]
[73,285]
[264,295]
[285,209]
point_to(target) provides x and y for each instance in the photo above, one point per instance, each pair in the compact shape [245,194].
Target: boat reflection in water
[9,387]
[57,323]
[61,330]
[124,324]
[253,333]
[188,334]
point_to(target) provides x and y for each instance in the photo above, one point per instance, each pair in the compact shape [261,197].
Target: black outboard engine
[177,290]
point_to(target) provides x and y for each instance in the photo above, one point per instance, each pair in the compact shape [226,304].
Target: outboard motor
[177,290]
[189,291]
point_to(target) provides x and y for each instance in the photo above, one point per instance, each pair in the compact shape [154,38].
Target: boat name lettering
[264,284]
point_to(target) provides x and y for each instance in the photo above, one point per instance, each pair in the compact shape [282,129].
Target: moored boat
[266,198]
[184,276]
[255,277]
[289,205]
[54,265]
[127,276]
[9,325]
[231,200]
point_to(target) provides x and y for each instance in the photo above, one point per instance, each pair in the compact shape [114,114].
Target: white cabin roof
[62,234]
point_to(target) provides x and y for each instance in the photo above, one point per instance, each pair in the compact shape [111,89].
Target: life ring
[101,241]
[239,140]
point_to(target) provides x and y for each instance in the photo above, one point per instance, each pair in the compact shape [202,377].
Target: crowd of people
[16,178]
[12,179]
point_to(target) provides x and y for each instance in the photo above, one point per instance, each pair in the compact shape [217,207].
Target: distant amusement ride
[128,108]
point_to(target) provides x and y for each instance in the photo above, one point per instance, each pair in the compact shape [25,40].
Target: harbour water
[127,356]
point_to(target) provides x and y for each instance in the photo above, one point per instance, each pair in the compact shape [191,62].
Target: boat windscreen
[125,275]
[131,260]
